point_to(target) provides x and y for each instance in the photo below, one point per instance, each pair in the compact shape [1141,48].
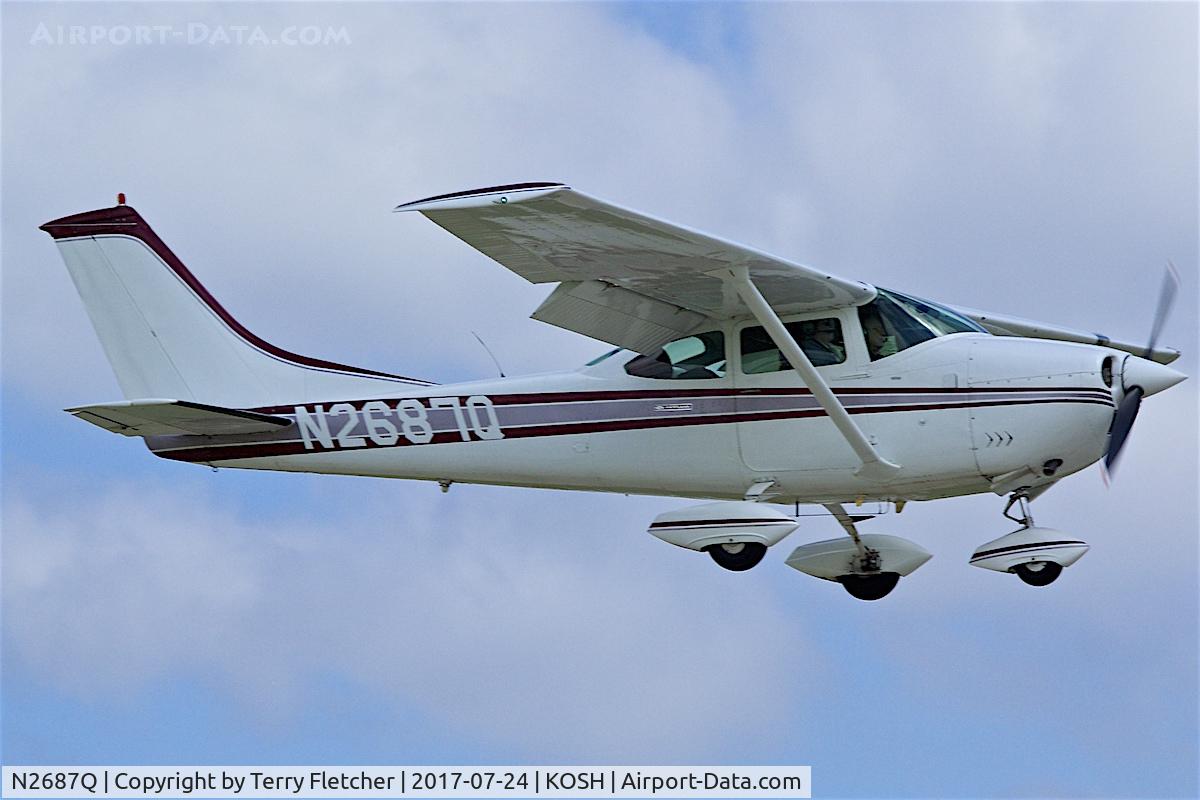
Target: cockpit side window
[692,358]
[888,329]
[820,339]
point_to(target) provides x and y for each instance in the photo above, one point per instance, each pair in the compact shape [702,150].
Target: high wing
[1004,325]
[154,417]
[624,277]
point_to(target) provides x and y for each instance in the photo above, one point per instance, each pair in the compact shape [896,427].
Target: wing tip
[1165,355]
[483,196]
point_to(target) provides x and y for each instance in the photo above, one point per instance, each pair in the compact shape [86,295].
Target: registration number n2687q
[388,422]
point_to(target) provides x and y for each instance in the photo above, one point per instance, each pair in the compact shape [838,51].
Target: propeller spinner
[1141,377]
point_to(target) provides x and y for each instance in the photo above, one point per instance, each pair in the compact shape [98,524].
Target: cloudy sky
[1035,159]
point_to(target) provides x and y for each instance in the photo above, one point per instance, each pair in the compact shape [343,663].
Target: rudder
[166,336]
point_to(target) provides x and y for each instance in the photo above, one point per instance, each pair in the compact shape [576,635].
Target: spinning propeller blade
[1166,298]
[1127,411]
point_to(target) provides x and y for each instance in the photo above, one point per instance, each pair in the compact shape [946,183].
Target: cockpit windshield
[893,322]
[939,318]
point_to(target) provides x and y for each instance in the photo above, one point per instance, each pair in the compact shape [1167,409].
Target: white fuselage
[960,414]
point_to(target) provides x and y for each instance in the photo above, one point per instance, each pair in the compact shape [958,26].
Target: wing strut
[874,466]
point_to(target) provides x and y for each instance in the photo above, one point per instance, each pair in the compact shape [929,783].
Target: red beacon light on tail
[120,198]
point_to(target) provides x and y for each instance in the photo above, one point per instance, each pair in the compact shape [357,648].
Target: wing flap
[617,316]
[154,417]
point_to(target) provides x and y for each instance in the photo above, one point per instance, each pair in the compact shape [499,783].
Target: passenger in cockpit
[824,345]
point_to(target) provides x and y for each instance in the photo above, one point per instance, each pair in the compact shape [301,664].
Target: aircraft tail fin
[166,336]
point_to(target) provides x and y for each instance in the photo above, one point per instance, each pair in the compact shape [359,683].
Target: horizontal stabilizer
[175,418]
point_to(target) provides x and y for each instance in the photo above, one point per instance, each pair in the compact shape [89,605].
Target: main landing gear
[1038,573]
[867,566]
[1035,555]
[735,534]
[870,587]
[868,581]
[737,556]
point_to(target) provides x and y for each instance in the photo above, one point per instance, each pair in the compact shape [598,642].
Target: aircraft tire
[870,587]
[745,556]
[1044,575]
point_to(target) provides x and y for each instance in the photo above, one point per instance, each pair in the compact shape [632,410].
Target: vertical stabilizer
[167,337]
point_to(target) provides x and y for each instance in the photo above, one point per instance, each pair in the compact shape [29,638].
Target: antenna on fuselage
[495,360]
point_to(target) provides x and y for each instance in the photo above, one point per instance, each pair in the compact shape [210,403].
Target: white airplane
[738,377]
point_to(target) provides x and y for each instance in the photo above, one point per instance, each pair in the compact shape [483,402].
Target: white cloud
[870,158]
[1035,159]
[490,627]
[306,152]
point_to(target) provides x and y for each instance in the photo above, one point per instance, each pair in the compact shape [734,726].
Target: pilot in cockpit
[879,343]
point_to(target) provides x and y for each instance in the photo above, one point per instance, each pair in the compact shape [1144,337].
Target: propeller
[1127,411]
[1166,298]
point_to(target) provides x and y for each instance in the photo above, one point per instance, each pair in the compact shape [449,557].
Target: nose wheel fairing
[1035,555]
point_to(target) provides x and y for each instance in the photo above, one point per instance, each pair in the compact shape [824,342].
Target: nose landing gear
[1035,555]
[1038,573]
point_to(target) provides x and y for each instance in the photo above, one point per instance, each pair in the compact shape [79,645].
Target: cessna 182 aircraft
[739,378]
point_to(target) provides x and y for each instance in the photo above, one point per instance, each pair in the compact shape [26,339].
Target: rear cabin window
[820,339]
[692,358]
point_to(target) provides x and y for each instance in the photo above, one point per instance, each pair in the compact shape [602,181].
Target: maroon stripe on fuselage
[651,394]
[125,221]
[684,395]
[269,449]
